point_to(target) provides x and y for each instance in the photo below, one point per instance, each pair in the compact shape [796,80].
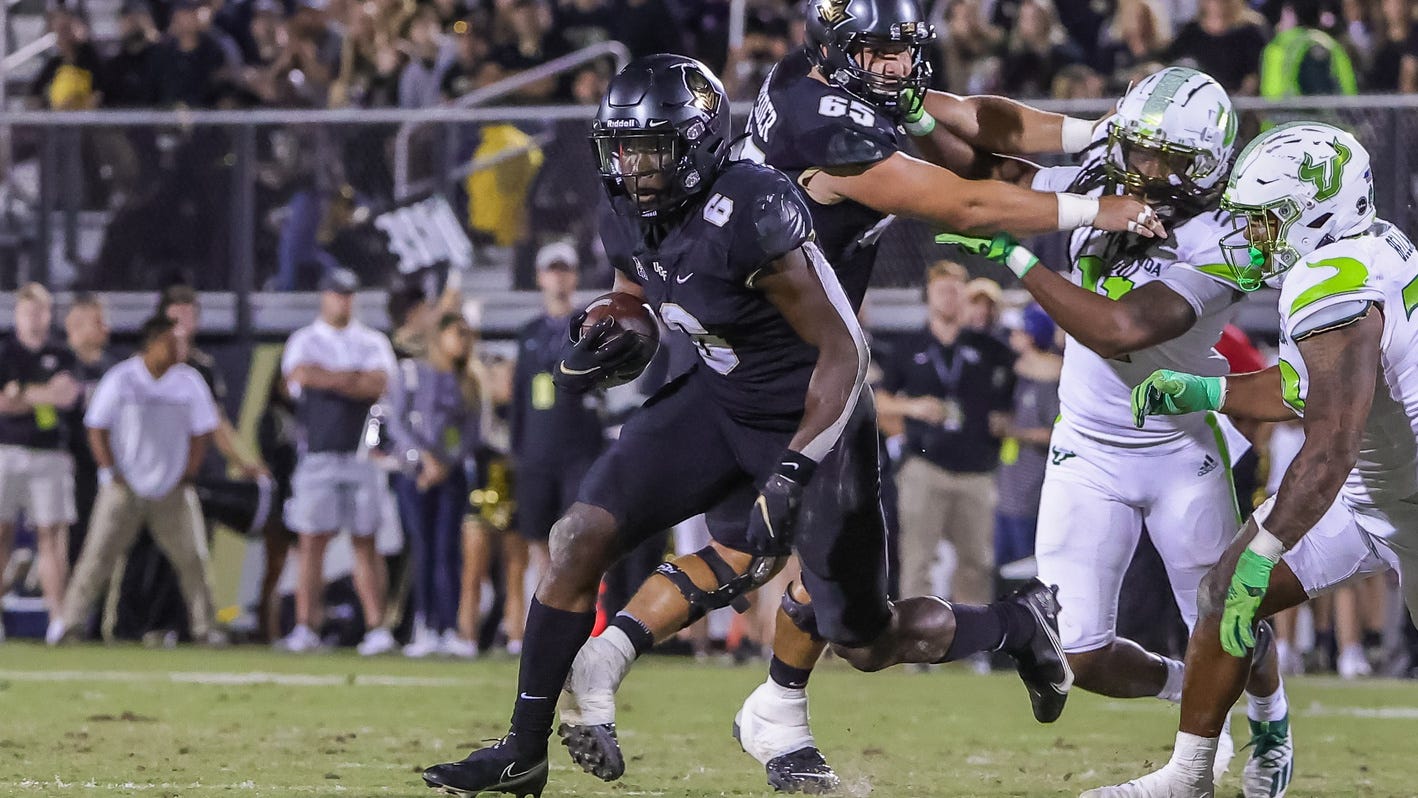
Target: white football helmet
[1295,189]
[1172,137]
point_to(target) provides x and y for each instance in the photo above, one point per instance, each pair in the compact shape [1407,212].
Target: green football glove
[1173,393]
[1002,249]
[1248,586]
[913,112]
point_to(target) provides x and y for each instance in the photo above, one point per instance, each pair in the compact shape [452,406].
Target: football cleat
[1272,760]
[595,748]
[498,768]
[587,726]
[1042,664]
[773,728]
[1169,782]
[804,770]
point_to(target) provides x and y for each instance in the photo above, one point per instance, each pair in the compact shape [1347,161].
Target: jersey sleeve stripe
[817,448]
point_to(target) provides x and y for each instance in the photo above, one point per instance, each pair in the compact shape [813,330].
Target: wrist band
[796,467]
[922,126]
[1076,210]
[1221,392]
[1266,544]
[1077,134]
[1020,261]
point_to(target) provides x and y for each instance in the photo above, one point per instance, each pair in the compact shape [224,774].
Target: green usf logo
[1325,174]
[1060,455]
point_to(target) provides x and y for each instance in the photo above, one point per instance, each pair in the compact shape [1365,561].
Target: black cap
[340,281]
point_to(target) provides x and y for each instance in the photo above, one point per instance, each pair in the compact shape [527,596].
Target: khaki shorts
[336,493]
[38,483]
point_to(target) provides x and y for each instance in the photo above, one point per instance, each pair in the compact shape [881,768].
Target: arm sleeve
[103,405]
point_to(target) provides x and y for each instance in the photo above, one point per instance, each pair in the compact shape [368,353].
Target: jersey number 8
[832,107]
[715,351]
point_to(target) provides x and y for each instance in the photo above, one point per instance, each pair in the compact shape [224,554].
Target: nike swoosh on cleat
[533,697]
[508,775]
[575,372]
[1064,686]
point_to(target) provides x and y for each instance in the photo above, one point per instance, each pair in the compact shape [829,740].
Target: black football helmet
[838,29]
[661,134]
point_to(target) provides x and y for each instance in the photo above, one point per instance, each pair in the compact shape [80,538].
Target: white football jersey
[1325,288]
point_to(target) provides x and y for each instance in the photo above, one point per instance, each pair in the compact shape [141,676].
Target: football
[631,314]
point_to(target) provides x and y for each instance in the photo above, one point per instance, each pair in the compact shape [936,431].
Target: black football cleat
[494,769]
[595,749]
[1042,664]
[804,771]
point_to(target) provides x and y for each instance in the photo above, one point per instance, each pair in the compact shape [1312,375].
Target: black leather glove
[772,522]
[595,356]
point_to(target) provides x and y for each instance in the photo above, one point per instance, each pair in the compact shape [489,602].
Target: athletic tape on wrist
[1020,261]
[1266,544]
[922,126]
[1076,210]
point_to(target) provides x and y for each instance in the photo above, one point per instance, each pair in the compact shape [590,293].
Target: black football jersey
[800,124]
[698,272]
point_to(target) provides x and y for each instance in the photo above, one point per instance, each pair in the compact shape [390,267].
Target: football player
[774,422]
[1303,199]
[1134,306]
[834,117]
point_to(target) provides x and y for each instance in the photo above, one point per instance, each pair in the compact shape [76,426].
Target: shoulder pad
[838,129]
[765,215]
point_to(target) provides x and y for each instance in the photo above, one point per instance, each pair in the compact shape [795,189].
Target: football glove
[772,522]
[1002,249]
[913,112]
[1173,393]
[595,355]
[1248,586]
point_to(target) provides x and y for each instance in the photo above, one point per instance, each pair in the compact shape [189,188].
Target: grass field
[127,721]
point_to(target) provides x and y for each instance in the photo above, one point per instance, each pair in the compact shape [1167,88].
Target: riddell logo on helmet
[621,123]
[833,12]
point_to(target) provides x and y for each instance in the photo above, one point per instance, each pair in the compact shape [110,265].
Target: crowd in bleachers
[408,54]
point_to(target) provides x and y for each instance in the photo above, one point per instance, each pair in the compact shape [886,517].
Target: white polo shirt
[151,422]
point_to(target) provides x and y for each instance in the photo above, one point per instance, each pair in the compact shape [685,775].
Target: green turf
[125,721]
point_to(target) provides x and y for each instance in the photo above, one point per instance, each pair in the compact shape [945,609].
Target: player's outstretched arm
[908,186]
[1005,126]
[803,288]
[1343,368]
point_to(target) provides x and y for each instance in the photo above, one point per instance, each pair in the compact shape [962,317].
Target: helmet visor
[643,164]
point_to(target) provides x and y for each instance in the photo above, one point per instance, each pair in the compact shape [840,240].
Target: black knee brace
[729,593]
[800,613]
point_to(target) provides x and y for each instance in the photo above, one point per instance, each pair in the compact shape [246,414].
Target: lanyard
[949,375]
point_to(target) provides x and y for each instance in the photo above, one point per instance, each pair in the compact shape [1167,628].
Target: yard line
[230,678]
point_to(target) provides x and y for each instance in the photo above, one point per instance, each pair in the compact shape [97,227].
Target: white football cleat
[1225,752]
[1169,782]
[588,699]
[770,723]
[1272,761]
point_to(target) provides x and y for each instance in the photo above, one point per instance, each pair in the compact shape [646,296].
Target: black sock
[1002,625]
[785,675]
[639,635]
[553,637]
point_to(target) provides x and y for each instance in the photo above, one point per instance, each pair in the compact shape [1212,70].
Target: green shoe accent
[1272,749]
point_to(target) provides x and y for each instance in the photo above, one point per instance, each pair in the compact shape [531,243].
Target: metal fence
[259,201]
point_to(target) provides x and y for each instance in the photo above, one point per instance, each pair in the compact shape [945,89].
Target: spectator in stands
[588,84]
[555,435]
[1037,50]
[1079,82]
[412,315]
[1135,37]
[1224,41]
[471,67]
[970,49]
[231,50]
[1394,64]
[186,66]
[71,79]
[180,304]
[336,369]
[149,423]
[765,42]
[86,329]
[524,39]
[419,83]
[311,58]
[1031,424]
[435,422]
[369,63]
[954,387]
[1303,60]
[37,386]
[584,22]
[126,73]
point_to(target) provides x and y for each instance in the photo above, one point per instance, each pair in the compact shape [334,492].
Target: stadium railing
[244,203]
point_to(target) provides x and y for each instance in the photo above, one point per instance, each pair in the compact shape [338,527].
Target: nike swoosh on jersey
[682,279]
